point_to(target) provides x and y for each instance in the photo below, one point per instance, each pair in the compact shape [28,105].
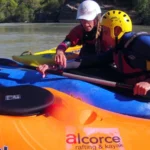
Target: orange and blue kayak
[57,121]
[95,95]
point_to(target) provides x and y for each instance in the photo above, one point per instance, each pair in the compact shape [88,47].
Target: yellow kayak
[53,50]
[45,57]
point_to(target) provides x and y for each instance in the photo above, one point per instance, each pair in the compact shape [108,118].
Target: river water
[19,37]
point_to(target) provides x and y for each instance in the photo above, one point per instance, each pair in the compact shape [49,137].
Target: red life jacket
[133,74]
[122,64]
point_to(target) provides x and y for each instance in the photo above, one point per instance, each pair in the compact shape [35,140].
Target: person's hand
[141,88]
[60,58]
[42,69]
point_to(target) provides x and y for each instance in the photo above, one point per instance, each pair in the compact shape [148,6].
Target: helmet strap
[116,43]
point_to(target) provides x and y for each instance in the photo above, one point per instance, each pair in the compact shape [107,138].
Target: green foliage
[7,9]
[143,11]
[34,10]
[25,10]
[2,17]
[48,5]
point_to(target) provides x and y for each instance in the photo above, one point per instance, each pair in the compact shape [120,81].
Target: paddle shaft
[91,79]
[9,62]
[98,81]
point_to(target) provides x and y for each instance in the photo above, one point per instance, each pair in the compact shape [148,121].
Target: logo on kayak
[4,148]
[93,139]
[12,97]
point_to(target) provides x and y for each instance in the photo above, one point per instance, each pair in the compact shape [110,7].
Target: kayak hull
[70,124]
[45,57]
[92,94]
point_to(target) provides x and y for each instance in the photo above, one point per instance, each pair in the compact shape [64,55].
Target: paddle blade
[24,100]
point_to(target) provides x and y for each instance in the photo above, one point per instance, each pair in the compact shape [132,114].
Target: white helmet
[88,10]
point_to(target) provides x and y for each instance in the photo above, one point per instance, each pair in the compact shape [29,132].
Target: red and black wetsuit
[78,36]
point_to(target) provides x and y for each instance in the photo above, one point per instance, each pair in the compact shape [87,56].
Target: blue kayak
[92,94]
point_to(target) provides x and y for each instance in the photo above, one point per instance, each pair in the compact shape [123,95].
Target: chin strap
[116,43]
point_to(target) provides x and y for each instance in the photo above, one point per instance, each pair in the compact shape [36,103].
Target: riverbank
[64,11]
[51,11]
[68,12]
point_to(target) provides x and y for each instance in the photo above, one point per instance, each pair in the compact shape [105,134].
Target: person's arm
[72,39]
[141,88]
[63,45]
[60,57]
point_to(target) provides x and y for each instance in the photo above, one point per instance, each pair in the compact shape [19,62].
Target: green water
[17,38]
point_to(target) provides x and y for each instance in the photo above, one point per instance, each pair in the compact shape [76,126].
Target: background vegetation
[50,10]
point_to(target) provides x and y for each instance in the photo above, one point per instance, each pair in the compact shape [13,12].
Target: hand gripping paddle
[9,62]
[24,100]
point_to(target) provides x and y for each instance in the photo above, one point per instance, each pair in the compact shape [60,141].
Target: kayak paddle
[12,63]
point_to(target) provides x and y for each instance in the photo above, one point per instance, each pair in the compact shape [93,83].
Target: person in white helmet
[87,33]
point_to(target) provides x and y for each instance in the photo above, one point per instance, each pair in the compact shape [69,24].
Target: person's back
[130,50]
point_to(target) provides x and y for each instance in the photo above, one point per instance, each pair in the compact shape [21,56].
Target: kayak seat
[24,100]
